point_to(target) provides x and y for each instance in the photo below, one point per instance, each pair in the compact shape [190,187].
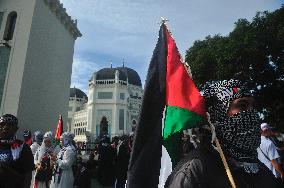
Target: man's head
[8,126]
[38,137]
[232,111]
[27,135]
[221,96]
[47,139]
[66,139]
[266,130]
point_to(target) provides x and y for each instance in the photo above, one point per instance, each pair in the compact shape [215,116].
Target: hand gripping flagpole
[225,163]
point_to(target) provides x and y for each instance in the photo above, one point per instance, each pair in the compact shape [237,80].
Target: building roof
[124,73]
[60,12]
[79,93]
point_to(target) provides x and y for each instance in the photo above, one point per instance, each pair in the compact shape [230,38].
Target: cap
[224,92]
[9,119]
[218,96]
[27,133]
[265,126]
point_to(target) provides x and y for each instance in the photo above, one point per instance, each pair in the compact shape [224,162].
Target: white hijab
[43,149]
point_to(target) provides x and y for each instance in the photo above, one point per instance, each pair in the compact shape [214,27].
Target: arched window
[10,26]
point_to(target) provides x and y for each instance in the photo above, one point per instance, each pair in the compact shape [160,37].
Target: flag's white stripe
[166,167]
[166,164]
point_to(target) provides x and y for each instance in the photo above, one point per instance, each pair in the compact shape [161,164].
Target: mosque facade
[111,107]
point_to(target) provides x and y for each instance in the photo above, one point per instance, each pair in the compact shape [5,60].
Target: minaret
[116,76]
[123,62]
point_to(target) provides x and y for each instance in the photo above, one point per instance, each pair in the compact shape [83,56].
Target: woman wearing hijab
[63,177]
[38,137]
[42,160]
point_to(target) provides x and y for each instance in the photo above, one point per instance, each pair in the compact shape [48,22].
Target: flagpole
[220,151]
[225,163]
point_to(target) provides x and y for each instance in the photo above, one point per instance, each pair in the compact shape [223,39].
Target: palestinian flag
[171,104]
[59,130]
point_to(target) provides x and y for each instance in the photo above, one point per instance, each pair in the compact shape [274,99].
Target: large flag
[59,130]
[168,87]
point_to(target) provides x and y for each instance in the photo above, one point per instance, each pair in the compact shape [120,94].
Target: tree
[253,52]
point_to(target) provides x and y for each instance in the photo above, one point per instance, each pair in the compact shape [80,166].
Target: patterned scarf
[239,134]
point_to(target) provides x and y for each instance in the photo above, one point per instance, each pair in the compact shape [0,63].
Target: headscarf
[48,135]
[38,137]
[43,149]
[239,134]
[67,138]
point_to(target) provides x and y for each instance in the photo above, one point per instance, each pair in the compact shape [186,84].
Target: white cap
[265,126]
[48,135]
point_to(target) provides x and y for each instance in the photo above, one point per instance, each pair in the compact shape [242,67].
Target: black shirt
[203,168]
[14,173]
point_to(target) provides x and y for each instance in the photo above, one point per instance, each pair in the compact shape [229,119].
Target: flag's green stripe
[178,119]
[57,142]
[173,144]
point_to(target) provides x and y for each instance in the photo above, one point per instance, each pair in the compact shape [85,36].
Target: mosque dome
[78,93]
[124,73]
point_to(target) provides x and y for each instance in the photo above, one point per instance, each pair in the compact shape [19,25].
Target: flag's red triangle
[180,89]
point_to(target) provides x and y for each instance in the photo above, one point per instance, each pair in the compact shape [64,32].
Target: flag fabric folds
[59,130]
[171,104]
[184,104]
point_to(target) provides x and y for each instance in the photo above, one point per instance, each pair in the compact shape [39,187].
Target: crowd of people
[39,162]
[251,148]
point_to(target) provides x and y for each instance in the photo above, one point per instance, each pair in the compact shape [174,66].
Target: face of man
[47,142]
[267,132]
[62,142]
[7,131]
[241,104]
[233,112]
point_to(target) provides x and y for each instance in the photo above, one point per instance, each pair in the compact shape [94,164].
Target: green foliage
[253,52]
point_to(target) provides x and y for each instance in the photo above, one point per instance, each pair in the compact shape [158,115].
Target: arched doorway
[134,124]
[103,126]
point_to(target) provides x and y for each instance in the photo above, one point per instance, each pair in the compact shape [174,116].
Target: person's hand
[52,163]
[282,177]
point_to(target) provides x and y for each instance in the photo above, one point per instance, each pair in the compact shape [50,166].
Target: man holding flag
[236,121]
[172,104]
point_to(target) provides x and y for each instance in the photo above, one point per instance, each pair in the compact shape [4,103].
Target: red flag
[59,130]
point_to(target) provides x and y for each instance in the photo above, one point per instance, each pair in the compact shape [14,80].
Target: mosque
[111,107]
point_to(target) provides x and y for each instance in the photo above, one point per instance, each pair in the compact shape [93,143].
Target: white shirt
[267,153]
[34,147]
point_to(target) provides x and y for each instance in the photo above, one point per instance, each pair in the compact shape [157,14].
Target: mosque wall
[40,64]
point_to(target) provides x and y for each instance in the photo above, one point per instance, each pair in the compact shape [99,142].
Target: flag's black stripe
[145,161]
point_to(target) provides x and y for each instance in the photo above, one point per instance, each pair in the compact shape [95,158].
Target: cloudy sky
[114,30]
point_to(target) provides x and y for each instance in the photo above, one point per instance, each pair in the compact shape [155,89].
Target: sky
[127,30]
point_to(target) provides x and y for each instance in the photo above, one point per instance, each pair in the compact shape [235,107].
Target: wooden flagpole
[225,163]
